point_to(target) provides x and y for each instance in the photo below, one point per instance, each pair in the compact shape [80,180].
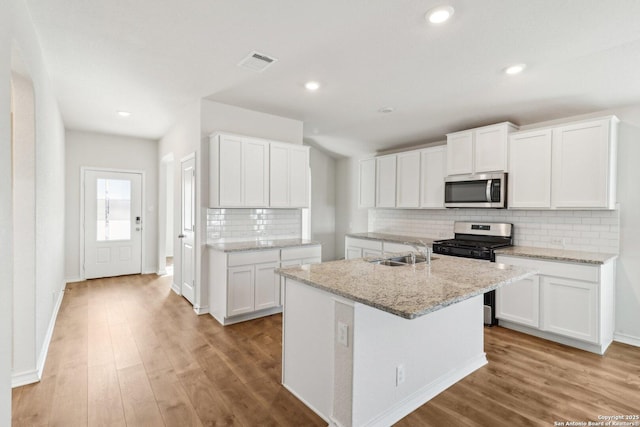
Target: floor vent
[257,61]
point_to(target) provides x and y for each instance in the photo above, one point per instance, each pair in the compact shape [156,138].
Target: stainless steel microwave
[476,191]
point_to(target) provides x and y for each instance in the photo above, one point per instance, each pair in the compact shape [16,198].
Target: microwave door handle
[488,190]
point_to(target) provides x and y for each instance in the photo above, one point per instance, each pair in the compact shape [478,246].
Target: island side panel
[434,351]
[307,346]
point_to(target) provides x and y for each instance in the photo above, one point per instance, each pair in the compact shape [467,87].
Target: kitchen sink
[399,261]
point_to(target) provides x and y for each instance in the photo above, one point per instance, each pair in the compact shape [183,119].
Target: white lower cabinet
[570,303]
[357,248]
[520,302]
[244,285]
[571,308]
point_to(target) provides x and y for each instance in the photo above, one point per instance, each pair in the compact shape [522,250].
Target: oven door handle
[488,190]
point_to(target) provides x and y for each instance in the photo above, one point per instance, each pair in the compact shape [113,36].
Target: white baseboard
[201,310]
[307,404]
[23,378]
[33,376]
[226,321]
[626,339]
[176,288]
[149,271]
[426,393]
[74,279]
[161,272]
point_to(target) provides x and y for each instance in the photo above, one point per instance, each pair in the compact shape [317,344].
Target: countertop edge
[404,314]
[260,247]
[586,259]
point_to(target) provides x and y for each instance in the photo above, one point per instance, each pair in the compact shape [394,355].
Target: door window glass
[114,209]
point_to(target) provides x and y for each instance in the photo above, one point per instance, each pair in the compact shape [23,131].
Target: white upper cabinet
[571,166]
[479,150]
[250,172]
[460,153]
[239,172]
[432,172]
[289,182]
[408,179]
[367,183]
[386,181]
[583,164]
[530,163]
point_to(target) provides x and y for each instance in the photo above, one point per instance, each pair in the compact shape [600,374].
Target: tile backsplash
[593,231]
[228,225]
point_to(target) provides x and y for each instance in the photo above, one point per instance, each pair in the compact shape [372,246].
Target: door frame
[84,169]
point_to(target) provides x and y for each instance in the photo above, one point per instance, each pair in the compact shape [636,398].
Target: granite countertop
[563,255]
[407,291]
[395,238]
[255,245]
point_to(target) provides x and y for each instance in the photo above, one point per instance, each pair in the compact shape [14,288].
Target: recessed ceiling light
[124,113]
[439,14]
[312,86]
[515,69]
[386,110]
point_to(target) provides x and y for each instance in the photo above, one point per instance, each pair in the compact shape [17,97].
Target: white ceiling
[152,57]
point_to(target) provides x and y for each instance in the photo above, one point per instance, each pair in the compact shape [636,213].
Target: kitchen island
[365,344]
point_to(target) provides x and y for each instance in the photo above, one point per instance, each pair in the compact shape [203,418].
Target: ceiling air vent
[256,61]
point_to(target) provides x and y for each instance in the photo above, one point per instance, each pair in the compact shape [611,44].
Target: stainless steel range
[478,240]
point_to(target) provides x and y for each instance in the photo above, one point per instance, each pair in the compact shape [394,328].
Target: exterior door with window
[112,223]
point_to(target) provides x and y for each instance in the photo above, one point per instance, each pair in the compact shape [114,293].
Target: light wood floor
[128,351]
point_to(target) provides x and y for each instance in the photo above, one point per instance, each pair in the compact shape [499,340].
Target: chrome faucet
[425,251]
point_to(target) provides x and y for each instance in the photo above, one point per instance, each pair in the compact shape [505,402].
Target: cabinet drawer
[587,273]
[301,252]
[376,245]
[257,257]
[397,247]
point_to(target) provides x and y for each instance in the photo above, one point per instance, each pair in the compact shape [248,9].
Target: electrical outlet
[400,375]
[343,334]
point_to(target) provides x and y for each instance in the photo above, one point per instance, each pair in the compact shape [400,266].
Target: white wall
[24,229]
[6,224]
[323,201]
[115,152]
[349,218]
[16,28]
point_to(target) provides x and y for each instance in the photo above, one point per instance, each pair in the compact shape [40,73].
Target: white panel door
[386,182]
[230,184]
[530,169]
[490,149]
[408,180]
[188,227]
[432,172]
[460,153]
[581,165]
[255,165]
[298,177]
[279,176]
[112,223]
[267,286]
[367,193]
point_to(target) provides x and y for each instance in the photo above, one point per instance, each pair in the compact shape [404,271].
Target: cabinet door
[240,290]
[298,177]
[581,165]
[519,302]
[408,180]
[267,286]
[432,173]
[255,164]
[490,149]
[367,196]
[371,252]
[530,170]
[460,153]
[386,182]
[231,175]
[570,308]
[353,252]
[279,176]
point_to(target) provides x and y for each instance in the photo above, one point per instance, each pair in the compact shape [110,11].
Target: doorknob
[181,236]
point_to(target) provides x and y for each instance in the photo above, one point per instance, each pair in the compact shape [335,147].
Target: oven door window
[465,192]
